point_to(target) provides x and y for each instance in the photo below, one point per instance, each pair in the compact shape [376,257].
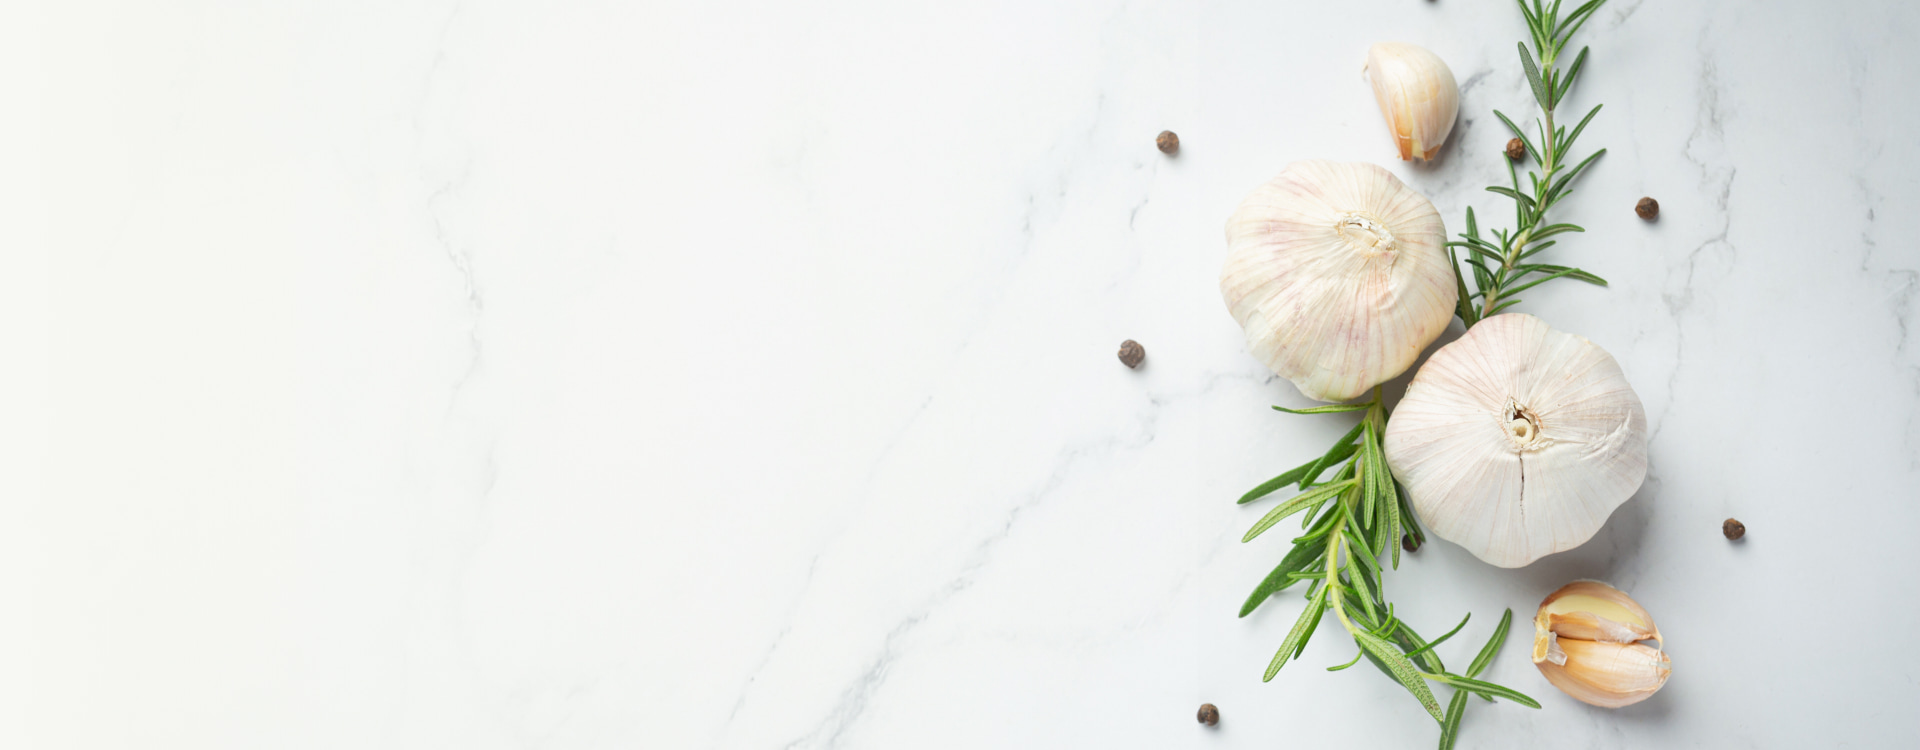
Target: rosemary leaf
[1356,660]
[1533,77]
[1489,689]
[1329,409]
[1266,488]
[1450,728]
[1290,507]
[1297,636]
[1402,670]
[1441,639]
[1485,657]
[1282,576]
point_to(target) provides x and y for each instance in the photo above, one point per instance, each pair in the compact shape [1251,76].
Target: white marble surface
[740,375]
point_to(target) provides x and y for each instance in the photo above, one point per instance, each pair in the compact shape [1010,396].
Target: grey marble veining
[690,375]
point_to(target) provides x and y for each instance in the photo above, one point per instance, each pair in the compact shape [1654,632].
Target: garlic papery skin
[1586,641]
[1608,675]
[1338,274]
[1417,95]
[1517,441]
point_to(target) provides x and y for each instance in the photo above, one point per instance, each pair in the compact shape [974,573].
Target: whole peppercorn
[1733,528]
[1516,149]
[1647,208]
[1209,714]
[1407,543]
[1131,353]
[1168,142]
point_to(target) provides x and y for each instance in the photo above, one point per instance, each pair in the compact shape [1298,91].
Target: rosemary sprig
[1351,522]
[1499,265]
[1358,512]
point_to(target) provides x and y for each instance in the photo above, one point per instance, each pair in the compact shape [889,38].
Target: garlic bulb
[1586,641]
[1517,441]
[1417,94]
[1337,274]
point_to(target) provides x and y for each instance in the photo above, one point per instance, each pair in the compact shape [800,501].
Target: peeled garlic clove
[1338,275]
[1517,441]
[1417,94]
[1608,675]
[1594,611]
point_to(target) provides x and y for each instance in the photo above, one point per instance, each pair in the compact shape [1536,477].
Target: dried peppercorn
[1168,142]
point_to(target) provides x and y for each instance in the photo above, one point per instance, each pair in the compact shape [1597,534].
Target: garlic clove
[1338,274]
[1586,642]
[1594,611]
[1609,675]
[1417,94]
[1517,441]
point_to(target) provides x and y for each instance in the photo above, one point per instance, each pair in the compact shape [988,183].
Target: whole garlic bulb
[1586,641]
[1517,441]
[1417,94]
[1337,274]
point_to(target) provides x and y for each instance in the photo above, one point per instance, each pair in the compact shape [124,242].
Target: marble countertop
[696,375]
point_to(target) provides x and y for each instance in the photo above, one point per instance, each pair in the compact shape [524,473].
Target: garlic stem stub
[1517,441]
[1417,95]
[1587,642]
[1338,274]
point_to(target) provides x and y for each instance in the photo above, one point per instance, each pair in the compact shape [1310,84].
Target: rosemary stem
[1549,166]
[1333,571]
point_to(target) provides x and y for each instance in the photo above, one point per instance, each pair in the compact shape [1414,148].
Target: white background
[741,375]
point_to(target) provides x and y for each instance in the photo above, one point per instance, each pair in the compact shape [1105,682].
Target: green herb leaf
[1575,20]
[1297,635]
[1541,233]
[1567,82]
[1330,409]
[1393,525]
[1485,657]
[1516,195]
[1532,150]
[1341,450]
[1402,670]
[1296,559]
[1356,660]
[1582,125]
[1441,639]
[1496,310]
[1368,477]
[1450,728]
[1533,77]
[1293,506]
[1357,578]
[1266,488]
[1410,641]
[1489,689]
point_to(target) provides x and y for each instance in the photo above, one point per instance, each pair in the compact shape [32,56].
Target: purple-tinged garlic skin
[1338,273]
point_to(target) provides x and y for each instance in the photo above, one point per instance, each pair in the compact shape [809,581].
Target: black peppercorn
[1131,353]
[1168,142]
[1407,543]
[1516,149]
[1733,528]
[1209,714]
[1647,208]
